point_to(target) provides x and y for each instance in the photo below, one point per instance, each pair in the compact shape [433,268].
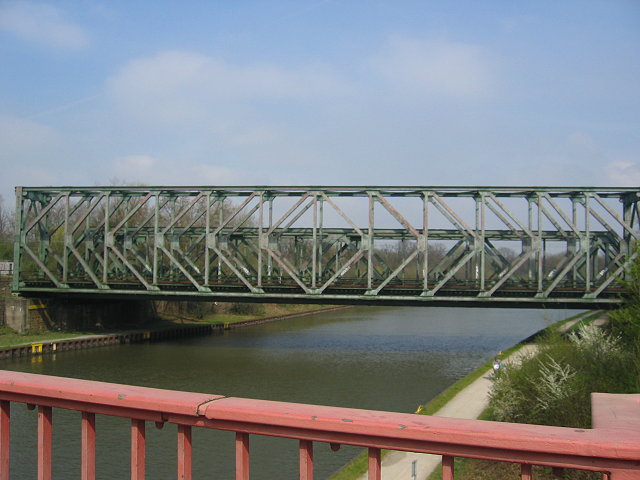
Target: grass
[267,311]
[10,338]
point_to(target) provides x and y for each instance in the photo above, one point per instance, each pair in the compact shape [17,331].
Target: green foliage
[626,320]
[554,386]
[246,309]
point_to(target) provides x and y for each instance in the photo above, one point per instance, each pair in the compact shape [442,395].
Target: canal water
[367,357]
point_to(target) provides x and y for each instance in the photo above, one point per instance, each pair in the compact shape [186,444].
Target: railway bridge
[409,245]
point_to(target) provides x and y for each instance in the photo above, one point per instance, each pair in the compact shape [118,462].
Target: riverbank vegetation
[553,387]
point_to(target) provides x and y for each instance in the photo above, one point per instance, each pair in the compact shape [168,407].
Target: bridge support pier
[23,314]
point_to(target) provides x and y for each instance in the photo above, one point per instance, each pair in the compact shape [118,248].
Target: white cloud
[30,153]
[42,24]
[435,67]
[134,167]
[180,86]
[149,170]
[623,174]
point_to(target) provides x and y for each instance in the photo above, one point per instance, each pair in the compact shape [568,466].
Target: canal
[367,357]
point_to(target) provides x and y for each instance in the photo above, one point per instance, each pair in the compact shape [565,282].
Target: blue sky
[320,92]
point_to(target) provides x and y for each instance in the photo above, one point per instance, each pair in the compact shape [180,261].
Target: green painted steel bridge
[473,246]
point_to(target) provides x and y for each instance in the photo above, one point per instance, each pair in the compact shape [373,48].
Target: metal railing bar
[88,446]
[447,467]
[45,430]
[375,468]
[184,452]
[306,460]
[5,426]
[138,449]
[242,456]
[608,448]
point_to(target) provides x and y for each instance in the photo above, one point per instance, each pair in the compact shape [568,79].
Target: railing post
[526,472]
[88,446]
[184,452]
[5,425]
[45,416]
[375,469]
[306,460]
[242,456]
[138,449]
[447,467]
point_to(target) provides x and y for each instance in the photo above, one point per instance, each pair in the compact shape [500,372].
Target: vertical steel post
[541,252]
[20,239]
[260,239]
[306,460]
[184,452]
[88,446]
[45,419]
[138,449]
[587,241]
[320,247]
[207,231]
[447,467]
[425,233]
[574,220]
[483,219]
[314,241]
[270,259]
[526,472]
[66,241]
[156,232]
[5,438]
[370,242]
[220,222]
[242,456]
[374,464]
[106,241]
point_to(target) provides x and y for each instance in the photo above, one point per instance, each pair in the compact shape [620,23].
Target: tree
[7,229]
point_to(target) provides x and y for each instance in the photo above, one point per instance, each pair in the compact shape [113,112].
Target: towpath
[469,403]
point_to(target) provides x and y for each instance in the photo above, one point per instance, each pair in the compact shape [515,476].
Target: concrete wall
[23,314]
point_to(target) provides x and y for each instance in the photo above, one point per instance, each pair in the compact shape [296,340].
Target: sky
[308,92]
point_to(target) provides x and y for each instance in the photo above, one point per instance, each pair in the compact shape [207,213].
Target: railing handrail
[613,447]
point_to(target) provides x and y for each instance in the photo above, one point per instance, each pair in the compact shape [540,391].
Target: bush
[246,309]
[554,387]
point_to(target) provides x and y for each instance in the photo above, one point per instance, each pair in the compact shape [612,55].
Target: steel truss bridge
[498,246]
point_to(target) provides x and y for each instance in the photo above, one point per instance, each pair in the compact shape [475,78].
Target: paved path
[469,404]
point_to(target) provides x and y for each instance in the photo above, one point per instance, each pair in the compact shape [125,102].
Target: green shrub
[246,309]
[554,386]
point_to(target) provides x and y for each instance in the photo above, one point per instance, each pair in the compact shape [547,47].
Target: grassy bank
[230,315]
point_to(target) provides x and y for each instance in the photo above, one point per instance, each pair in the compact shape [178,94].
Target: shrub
[554,387]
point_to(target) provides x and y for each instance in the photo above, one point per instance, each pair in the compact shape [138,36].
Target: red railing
[611,447]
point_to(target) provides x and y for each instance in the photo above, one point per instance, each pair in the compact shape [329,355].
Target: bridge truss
[509,246]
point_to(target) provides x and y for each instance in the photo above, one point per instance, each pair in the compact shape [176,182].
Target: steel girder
[406,245]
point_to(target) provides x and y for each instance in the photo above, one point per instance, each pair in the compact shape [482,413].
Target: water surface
[367,357]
